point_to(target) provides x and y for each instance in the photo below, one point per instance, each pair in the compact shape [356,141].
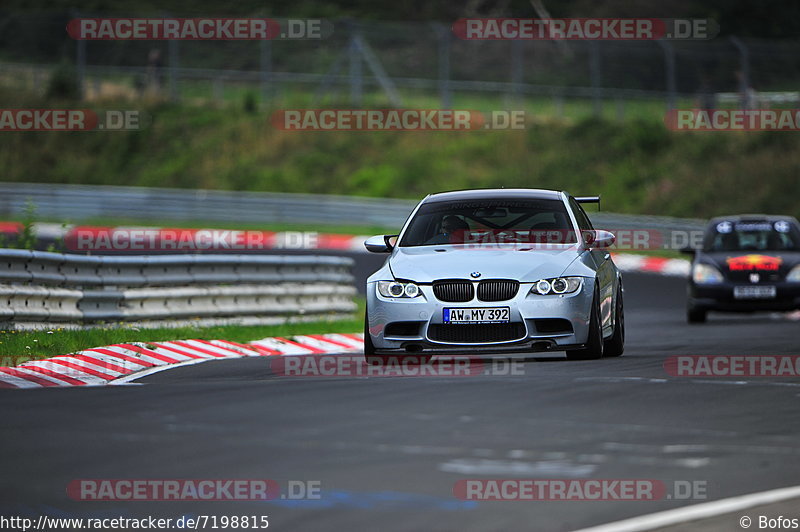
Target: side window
[583,221]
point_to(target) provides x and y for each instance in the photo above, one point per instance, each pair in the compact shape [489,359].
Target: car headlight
[397,289]
[794,275]
[706,274]
[557,285]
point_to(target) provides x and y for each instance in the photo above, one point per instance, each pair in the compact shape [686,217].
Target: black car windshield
[489,222]
[753,236]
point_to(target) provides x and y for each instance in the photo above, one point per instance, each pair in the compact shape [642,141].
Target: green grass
[637,164]
[17,347]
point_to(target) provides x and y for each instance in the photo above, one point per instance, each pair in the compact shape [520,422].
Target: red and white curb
[628,262]
[121,363]
[194,239]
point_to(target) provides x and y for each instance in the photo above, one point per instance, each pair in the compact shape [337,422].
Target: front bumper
[720,297]
[540,323]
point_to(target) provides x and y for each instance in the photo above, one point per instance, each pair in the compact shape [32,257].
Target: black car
[747,263]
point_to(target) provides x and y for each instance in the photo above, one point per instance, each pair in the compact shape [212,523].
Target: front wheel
[694,314]
[615,346]
[594,343]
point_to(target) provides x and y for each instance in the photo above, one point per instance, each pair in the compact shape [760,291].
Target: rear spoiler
[589,199]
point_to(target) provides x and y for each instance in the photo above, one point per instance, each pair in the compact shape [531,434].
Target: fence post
[744,67]
[594,73]
[356,78]
[443,38]
[669,65]
[266,68]
[80,61]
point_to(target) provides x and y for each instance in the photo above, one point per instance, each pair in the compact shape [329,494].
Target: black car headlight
[794,275]
[556,286]
[706,274]
[398,289]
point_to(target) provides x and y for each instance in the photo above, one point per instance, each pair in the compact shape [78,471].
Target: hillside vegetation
[637,165]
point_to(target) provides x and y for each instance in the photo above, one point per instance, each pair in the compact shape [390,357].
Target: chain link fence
[403,64]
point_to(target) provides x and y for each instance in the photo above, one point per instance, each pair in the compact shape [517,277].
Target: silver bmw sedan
[495,270]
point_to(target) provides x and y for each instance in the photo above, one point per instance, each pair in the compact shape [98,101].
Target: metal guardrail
[47,287]
[81,202]
[76,203]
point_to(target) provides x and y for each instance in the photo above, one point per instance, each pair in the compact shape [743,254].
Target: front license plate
[754,292]
[476,315]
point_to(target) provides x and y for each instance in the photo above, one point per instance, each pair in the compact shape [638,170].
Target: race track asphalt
[388,451]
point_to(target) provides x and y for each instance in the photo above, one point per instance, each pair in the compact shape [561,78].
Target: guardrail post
[744,69]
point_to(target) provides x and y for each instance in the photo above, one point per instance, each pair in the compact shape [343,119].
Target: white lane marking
[697,511]
[733,448]
[674,380]
[483,466]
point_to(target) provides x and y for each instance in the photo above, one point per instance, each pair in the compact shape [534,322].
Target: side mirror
[688,251]
[599,238]
[381,243]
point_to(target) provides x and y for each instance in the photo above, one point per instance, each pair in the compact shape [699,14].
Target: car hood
[425,264]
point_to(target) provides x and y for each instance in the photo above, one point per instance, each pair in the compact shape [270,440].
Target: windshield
[754,236]
[486,222]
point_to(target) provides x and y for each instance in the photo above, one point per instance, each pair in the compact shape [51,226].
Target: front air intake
[453,291]
[497,289]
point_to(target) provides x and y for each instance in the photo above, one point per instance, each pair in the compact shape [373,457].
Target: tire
[594,343]
[695,315]
[615,346]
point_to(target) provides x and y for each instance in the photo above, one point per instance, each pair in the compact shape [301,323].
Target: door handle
[607,256]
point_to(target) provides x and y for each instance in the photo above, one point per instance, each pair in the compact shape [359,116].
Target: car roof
[753,218]
[494,193]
